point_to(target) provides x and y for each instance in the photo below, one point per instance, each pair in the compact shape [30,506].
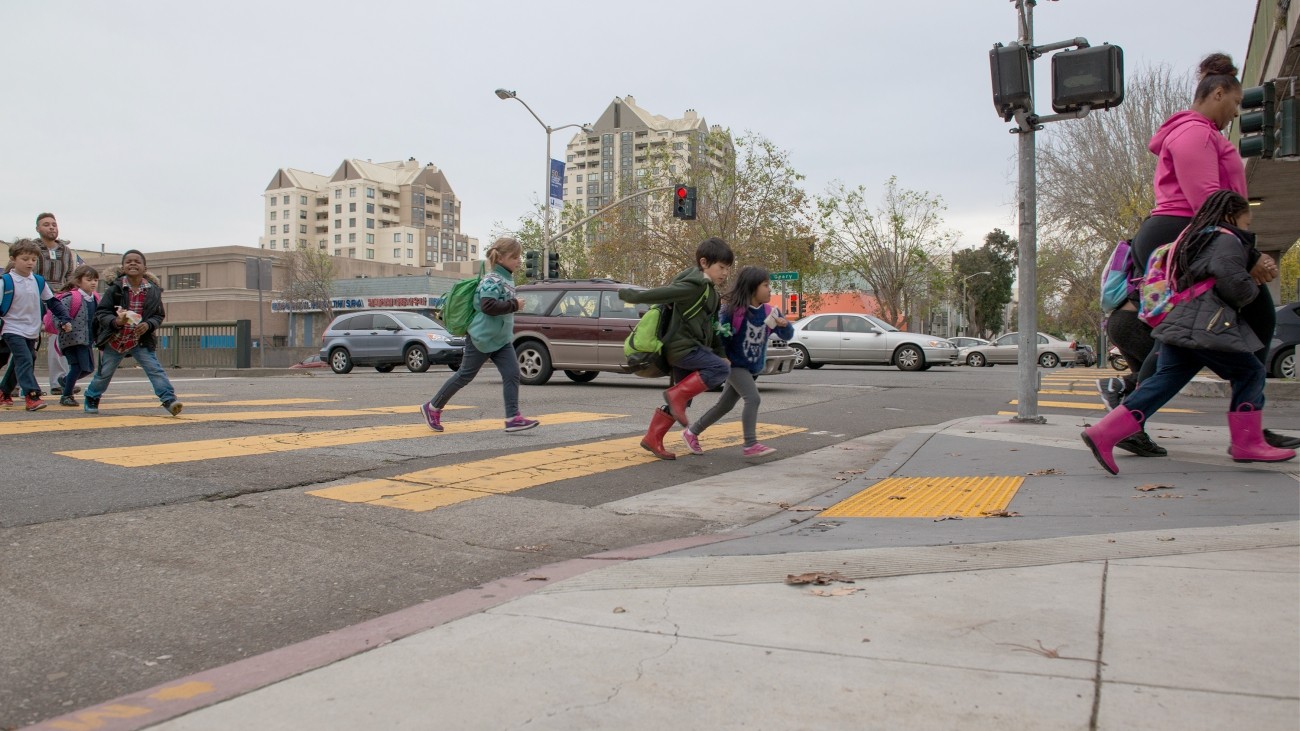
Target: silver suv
[386,339]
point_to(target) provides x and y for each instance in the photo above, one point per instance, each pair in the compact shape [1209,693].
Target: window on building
[428,241]
[352,223]
[579,191]
[273,215]
[338,238]
[338,208]
[302,215]
[370,208]
[302,242]
[410,238]
[352,192]
[352,208]
[370,238]
[285,229]
[397,253]
[352,238]
[428,255]
[370,253]
[370,223]
[352,253]
[302,200]
[286,244]
[338,223]
[272,228]
[323,245]
[272,243]
[397,238]
[338,193]
[286,213]
[338,252]
[302,228]
[370,192]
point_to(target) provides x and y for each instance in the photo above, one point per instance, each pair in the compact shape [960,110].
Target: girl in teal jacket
[491,331]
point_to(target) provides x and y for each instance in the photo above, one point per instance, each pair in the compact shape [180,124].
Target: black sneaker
[1111,391]
[1141,445]
[68,401]
[1281,441]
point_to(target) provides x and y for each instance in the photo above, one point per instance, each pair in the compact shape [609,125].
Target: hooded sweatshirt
[1194,159]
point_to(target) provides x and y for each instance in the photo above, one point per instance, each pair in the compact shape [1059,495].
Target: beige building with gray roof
[392,212]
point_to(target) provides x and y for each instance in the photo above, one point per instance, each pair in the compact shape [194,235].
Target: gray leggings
[740,384]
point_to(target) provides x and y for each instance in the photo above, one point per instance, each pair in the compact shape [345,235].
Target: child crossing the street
[694,349]
[81,299]
[24,291]
[750,320]
[490,336]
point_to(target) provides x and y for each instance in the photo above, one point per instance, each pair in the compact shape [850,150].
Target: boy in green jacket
[695,351]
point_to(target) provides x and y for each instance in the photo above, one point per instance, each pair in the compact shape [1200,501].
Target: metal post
[546,209]
[1027,374]
[261,331]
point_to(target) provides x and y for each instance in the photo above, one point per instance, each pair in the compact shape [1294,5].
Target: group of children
[119,323]
[715,339]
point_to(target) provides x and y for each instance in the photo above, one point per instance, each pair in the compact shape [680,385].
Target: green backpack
[458,304]
[644,347]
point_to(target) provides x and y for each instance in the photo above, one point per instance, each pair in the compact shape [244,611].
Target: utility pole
[1027,360]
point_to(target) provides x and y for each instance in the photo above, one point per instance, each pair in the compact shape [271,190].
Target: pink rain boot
[1114,427]
[1246,426]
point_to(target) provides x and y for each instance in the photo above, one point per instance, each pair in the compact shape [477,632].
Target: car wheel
[976,360]
[909,358]
[800,356]
[1049,360]
[1284,364]
[388,368]
[340,361]
[417,358]
[1118,363]
[534,363]
[582,376]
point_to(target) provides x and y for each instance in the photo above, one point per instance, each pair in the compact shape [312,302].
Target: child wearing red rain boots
[695,350]
[1204,331]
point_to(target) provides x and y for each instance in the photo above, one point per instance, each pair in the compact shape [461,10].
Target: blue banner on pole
[557,183]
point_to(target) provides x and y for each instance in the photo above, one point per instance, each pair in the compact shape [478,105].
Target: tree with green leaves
[890,247]
[986,295]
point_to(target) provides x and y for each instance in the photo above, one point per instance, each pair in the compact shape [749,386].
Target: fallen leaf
[1165,539]
[948,517]
[897,497]
[537,578]
[619,610]
[800,508]
[1001,514]
[851,472]
[817,577]
[1048,471]
[1148,487]
[842,591]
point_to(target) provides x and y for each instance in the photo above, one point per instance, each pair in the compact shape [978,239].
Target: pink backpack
[47,322]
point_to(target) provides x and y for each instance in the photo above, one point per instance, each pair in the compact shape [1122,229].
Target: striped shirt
[58,263]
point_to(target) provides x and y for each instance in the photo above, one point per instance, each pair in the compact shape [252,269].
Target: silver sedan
[857,339]
[1006,350]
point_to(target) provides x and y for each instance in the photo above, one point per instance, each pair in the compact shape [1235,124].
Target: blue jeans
[712,369]
[1178,365]
[22,359]
[507,364]
[110,359]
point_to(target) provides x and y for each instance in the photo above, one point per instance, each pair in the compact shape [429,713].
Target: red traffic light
[681,191]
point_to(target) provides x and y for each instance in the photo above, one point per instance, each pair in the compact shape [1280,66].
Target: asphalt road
[183,544]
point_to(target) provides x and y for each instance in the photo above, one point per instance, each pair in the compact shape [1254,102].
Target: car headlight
[939,344]
[435,337]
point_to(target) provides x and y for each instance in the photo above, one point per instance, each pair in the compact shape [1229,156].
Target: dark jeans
[81,362]
[507,363]
[1155,232]
[712,369]
[1133,338]
[22,359]
[1179,365]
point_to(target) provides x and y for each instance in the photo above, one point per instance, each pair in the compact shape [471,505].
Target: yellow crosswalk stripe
[1095,407]
[90,423]
[175,452]
[190,403]
[442,486]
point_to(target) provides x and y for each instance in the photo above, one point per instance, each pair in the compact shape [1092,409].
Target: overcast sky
[158,125]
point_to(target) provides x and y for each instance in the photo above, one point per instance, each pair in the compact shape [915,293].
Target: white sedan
[1006,349]
[857,339]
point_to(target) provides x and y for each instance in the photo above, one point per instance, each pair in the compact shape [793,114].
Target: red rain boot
[677,396]
[1114,427]
[1246,426]
[654,437]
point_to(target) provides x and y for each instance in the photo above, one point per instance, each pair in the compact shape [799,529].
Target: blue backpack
[1118,280]
[7,299]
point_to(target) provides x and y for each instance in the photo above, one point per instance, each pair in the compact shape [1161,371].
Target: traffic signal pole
[605,210]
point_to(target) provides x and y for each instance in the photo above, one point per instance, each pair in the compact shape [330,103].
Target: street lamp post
[546,189]
[965,306]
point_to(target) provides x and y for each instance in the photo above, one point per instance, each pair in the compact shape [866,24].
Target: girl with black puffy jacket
[1204,332]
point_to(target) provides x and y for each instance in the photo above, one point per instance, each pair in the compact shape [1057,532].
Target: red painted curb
[209,687]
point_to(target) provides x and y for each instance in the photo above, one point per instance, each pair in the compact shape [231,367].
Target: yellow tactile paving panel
[929,497]
[442,486]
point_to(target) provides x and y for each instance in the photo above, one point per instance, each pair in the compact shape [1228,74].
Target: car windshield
[415,321]
[882,324]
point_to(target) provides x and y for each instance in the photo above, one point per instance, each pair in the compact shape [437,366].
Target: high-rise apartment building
[393,212]
[606,163]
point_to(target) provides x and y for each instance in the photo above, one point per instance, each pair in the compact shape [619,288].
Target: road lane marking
[440,487]
[194,451]
[928,497]
[89,423]
[190,403]
[1095,407]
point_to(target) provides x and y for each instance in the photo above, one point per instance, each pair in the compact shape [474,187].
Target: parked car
[1281,351]
[1006,349]
[386,339]
[857,339]
[965,341]
[579,325]
[1087,357]
[313,361]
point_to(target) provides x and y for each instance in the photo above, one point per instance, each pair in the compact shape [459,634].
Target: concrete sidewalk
[1099,606]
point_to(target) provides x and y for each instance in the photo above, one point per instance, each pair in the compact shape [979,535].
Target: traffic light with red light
[684,202]
[796,306]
